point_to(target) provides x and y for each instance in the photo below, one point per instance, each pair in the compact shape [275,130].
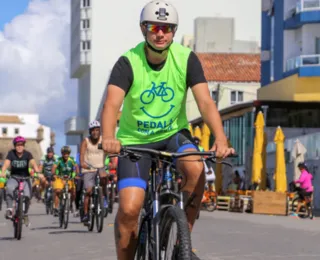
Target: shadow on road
[7,238]
[70,222]
[37,215]
[69,232]
[44,228]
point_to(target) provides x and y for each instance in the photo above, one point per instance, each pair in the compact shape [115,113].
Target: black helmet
[302,165]
[65,149]
[50,150]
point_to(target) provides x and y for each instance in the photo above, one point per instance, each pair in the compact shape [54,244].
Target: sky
[35,48]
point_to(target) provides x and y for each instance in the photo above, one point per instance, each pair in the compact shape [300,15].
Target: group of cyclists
[151,81]
[52,168]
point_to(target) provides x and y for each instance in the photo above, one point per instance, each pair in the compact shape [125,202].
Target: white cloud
[34,62]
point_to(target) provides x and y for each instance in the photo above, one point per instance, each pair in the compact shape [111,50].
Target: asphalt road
[217,236]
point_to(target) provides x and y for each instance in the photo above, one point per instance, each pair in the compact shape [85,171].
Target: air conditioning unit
[265,55]
[266,5]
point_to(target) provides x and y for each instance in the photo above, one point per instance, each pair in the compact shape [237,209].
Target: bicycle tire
[210,207]
[175,214]
[142,249]
[1,197]
[66,211]
[19,218]
[303,208]
[106,212]
[91,214]
[111,199]
[99,210]
[81,205]
[61,212]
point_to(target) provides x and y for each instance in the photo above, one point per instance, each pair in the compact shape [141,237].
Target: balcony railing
[307,5]
[303,61]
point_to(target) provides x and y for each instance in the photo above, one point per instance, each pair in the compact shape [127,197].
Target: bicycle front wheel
[18,219]
[142,250]
[99,210]
[66,211]
[91,213]
[172,217]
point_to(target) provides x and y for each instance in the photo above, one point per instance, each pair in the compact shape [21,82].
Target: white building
[26,125]
[232,78]
[87,64]
[217,35]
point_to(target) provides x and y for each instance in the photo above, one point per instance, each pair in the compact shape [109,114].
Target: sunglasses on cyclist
[156,28]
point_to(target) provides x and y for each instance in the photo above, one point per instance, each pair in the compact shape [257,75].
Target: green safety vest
[155,107]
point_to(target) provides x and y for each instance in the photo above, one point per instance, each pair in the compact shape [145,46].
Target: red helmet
[19,139]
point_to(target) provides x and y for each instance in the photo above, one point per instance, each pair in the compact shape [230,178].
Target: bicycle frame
[155,189]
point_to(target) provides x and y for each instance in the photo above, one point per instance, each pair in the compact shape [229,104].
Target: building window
[86,24]
[240,96]
[272,49]
[214,95]
[16,131]
[4,130]
[86,45]
[236,97]
[318,45]
[85,3]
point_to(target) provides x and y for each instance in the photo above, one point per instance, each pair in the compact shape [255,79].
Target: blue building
[290,50]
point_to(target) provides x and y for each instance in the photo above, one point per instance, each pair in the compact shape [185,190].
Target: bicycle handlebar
[134,150]
[20,178]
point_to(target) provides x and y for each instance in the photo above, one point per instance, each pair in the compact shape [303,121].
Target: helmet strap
[155,50]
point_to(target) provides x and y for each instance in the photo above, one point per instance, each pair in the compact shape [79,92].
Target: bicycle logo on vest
[165,93]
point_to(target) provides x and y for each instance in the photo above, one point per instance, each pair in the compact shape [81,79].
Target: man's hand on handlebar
[111,145]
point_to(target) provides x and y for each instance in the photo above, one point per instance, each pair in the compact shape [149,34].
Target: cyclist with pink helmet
[19,160]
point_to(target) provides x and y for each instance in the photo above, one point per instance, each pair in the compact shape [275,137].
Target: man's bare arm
[111,107]
[83,148]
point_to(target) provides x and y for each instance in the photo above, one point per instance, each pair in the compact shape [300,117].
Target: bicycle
[306,209]
[162,206]
[111,194]
[64,203]
[36,189]
[96,208]
[19,207]
[49,196]
[2,193]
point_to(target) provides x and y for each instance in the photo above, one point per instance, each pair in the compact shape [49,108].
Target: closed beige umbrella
[297,153]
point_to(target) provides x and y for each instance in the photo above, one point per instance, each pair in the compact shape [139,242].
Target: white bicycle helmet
[159,11]
[94,124]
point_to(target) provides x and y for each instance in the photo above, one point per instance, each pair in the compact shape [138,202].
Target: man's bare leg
[126,223]
[195,181]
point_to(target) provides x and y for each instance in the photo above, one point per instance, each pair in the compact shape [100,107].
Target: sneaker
[76,214]
[55,212]
[8,214]
[85,219]
[105,203]
[294,215]
[26,220]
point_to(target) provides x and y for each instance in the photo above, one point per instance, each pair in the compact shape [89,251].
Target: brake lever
[214,160]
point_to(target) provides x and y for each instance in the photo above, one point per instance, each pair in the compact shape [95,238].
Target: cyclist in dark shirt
[19,159]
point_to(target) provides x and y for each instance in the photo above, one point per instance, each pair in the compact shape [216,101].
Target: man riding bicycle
[64,166]
[18,159]
[91,156]
[151,81]
[46,164]
[306,188]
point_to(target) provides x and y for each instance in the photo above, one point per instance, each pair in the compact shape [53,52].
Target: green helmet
[65,149]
